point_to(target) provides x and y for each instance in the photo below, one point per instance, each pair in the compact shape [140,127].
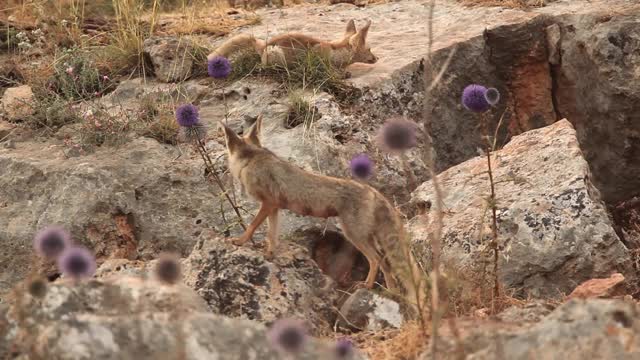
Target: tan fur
[367,218]
[283,49]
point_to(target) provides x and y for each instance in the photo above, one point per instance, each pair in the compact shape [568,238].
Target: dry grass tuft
[393,344]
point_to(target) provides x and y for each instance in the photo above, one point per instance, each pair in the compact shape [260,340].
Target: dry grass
[393,344]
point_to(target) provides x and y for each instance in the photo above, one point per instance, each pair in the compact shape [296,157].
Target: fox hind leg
[272,234]
[362,244]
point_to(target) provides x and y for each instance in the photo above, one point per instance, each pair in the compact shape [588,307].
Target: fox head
[357,42]
[236,143]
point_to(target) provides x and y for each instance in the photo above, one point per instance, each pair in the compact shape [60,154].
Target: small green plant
[101,128]
[76,76]
[51,110]
[155,120]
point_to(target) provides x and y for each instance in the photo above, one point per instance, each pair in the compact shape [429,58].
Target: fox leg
[272,234]
[362,245]
[257,221]
[388,275]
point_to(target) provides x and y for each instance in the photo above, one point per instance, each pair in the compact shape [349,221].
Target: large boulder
[598,89]
[132,201]
[579,329]
[554,231]
[240,282]
[130,318]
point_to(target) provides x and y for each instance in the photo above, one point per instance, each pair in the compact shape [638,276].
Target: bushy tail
[237,43]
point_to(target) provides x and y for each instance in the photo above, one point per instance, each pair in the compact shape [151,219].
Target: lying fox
[283,49]
[366,217]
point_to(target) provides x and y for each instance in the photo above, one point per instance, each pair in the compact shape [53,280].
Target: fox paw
[238,241]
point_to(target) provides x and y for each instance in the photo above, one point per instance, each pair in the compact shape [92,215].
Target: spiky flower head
[77,263]
[219,67]
[361,166]
[197,132]
[473,98]
[287,335]
[167,269]
[187,115]
[492,95]
[343,349]
[398,135]
[51,242]
[37,287]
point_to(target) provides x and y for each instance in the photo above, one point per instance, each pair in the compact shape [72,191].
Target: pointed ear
[361,35]
[253,136]
[232,139]
[351,29]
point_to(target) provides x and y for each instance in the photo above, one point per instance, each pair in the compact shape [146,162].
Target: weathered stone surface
[132,201]
[172,57]
[128,318]
[17,103]
[240,282]
[579,329]
[598,89]
[553,228]
[597,287]
[365,310]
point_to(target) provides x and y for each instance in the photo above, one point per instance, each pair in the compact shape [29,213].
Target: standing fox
[366,217]
[283,49]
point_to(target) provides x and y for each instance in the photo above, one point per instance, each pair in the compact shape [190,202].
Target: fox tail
[237,43]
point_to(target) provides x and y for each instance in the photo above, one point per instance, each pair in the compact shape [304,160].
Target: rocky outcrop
[597,87]
[240,282]
[579,329]
[130,202]
[553,228]
[131,318]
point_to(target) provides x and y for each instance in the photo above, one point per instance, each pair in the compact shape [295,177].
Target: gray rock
[365,310]
[132,201]
[240,282]
[593,329]
[173,58]
[17,103]
[598,89]
[129,318]
[554,231]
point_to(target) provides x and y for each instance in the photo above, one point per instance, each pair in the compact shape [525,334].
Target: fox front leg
[264,211]
[272,234]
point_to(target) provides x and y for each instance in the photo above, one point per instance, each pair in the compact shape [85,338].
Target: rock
[127,318]
[598,89]
[597,287]
[365,310]
[554,231]
[579,329]
[17,103]
[240,282]
[132,201]
[173,58]
[531,312]
[5,129]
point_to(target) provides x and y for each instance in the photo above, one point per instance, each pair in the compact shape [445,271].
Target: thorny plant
[195,132]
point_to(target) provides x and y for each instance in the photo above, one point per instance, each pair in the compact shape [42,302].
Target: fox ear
[253,136]
[232,139]
[351,28]
[361,35]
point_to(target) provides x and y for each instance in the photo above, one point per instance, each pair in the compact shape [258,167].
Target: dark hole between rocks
[338,258]
[622,319]
[53,277]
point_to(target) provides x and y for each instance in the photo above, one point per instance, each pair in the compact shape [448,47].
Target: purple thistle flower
[77,263]
[51,242]
[343,349]
[219,67]
[187,115]
[398,135]
[473,98]
[168,269]
[492,95]
[287,335]
[361,166]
